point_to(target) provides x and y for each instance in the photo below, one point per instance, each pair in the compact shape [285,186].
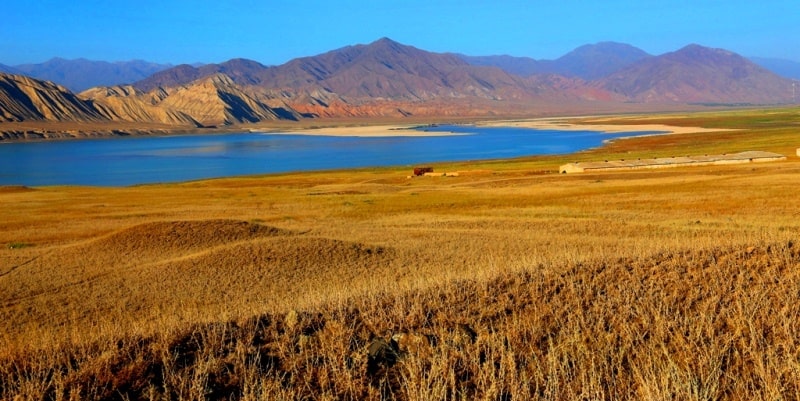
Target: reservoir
[145,160]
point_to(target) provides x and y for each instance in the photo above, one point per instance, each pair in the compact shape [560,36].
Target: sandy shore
[596,125]
[51,131]
[567,124]
[368,131]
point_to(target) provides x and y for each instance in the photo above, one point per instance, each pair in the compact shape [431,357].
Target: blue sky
[273,32]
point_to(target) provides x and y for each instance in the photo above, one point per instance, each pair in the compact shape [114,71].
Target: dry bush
[718,323]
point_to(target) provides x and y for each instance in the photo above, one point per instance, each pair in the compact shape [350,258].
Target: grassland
[511,282]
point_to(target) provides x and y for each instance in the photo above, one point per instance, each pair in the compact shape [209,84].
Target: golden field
[508,282]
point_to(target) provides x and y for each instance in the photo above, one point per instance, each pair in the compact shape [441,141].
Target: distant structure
[418,171]
[664,162]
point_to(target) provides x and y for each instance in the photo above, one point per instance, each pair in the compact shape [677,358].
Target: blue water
[143,160]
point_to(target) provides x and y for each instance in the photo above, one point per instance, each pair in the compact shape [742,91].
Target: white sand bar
[369,131]
[586,124]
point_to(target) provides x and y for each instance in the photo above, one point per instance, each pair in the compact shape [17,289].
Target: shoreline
[588,124]
[585,123]
[365,131]
[17,132]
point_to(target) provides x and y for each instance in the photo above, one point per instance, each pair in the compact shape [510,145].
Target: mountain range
[784,68]
[587,62]
[386,78]
[81,74]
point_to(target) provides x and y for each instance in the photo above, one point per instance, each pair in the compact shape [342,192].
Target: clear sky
[274,32]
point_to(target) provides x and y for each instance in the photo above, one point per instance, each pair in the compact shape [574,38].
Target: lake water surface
[143,160]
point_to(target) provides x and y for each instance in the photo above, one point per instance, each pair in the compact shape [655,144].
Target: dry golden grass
[510,283]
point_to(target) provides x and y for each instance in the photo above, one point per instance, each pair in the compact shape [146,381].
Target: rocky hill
[27,99]
[241,71]
[126,103]
[210,101]
[697,74]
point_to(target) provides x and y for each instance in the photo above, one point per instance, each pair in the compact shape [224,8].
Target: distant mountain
[522,66]
[10,70]
[81,74]
[380,71]
[386,69]
[27,99]
[697,74]
[595,61]
[784,68]
[378,58]
[386,78]
[587,62]
[242,71]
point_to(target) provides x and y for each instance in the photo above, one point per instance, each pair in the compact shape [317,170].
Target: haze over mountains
[81,74]
[587,62]
[386,78]
[784,68]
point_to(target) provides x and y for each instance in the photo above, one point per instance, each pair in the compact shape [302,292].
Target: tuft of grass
[714,323]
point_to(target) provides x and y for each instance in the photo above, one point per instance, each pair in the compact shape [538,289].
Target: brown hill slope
[389,70]
[242,71]
[210,101]
[698,74]
[25,99]
[125,103]
[217,100]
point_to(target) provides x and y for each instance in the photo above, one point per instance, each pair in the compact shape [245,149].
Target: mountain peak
[700,50]
[598,60]
[698,74]
[385,41]
[695,53]
[243,62]
[606,46]
[391,46]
